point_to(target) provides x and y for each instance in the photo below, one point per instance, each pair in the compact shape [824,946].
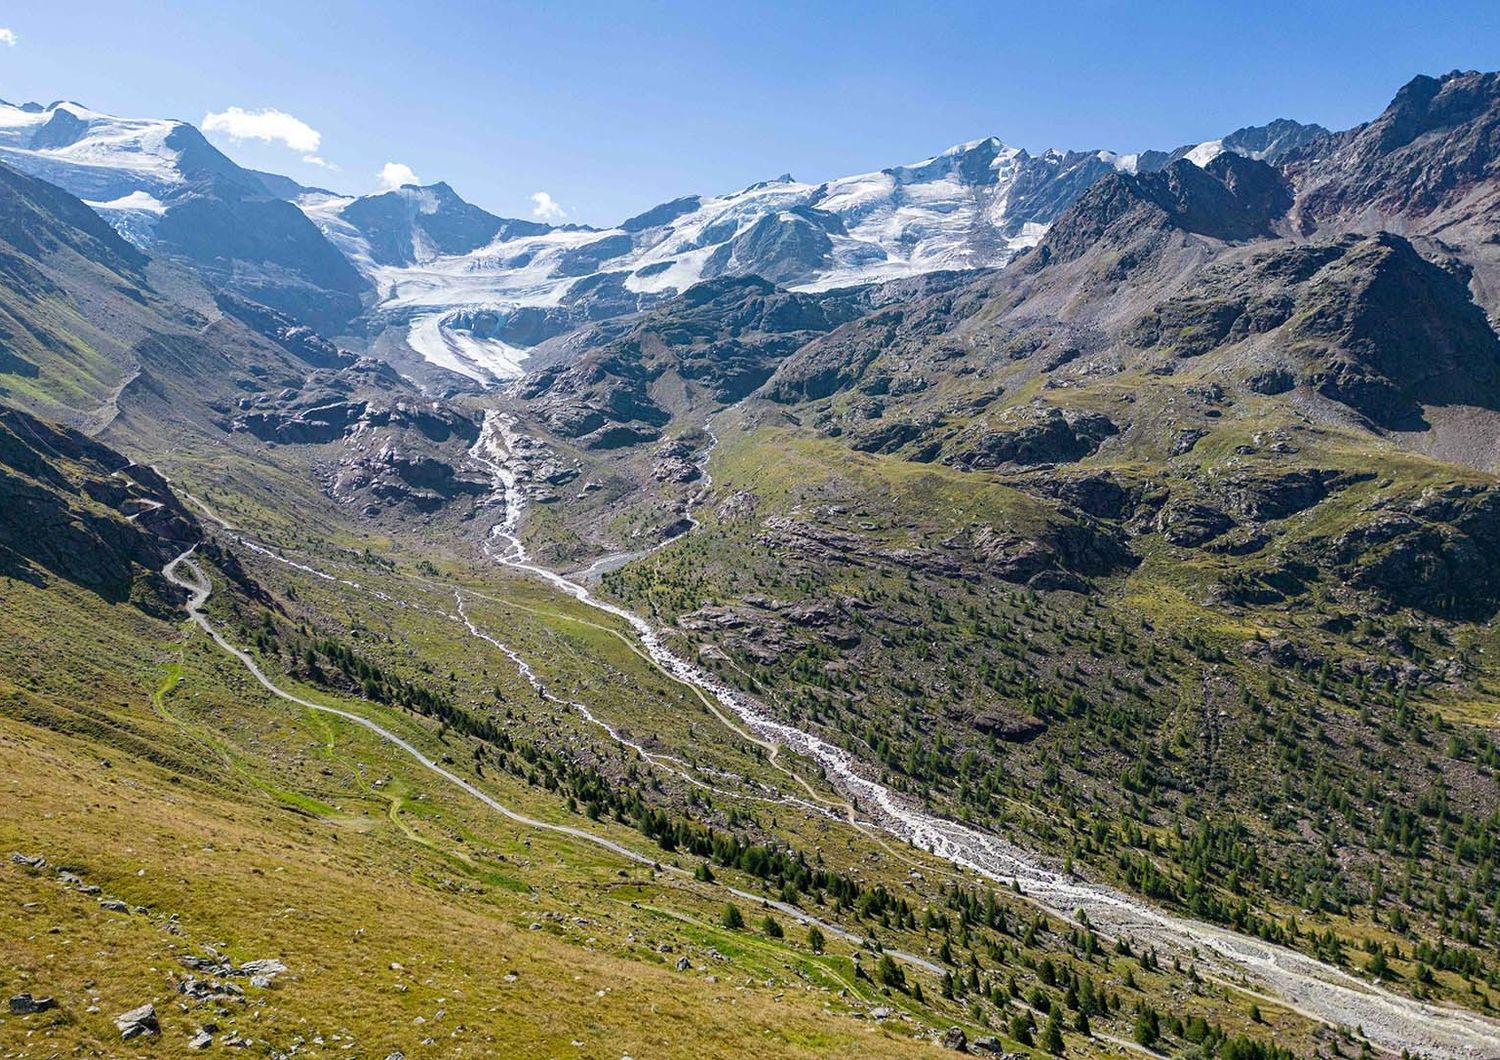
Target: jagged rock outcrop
[1035,435]
[1438,552]
[1232,198]
[75,509]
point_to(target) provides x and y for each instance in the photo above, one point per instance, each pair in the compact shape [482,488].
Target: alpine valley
[1020,604]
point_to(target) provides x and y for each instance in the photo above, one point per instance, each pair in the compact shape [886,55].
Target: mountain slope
[416,786]
[971,618]
[1146,546]
[167,188]
[75,509]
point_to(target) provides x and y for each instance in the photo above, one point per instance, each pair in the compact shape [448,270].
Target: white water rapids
[1314,988]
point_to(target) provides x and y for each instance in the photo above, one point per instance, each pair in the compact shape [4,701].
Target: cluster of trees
[1113,700]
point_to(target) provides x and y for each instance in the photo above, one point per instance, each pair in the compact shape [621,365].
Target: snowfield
[98,157]
[950,211]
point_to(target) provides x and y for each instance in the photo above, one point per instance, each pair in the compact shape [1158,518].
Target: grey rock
[266,966]
[138,1022]
[954,1038]
[1189,524]
[26,1005]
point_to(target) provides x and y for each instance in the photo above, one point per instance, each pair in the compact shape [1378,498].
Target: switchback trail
[1318,990]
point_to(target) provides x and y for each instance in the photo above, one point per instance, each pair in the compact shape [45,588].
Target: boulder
[268,967]
[26,1005]
[138,1022]
[954,1038]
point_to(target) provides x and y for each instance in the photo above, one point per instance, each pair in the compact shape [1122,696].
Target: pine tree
[1147,1028]
[815,939]
[1052,1038]
[732,919]
[1020,1030]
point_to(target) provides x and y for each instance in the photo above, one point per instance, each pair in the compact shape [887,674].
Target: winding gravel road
[199,587]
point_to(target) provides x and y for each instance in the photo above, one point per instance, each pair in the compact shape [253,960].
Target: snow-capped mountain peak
[97,156]
[974,205]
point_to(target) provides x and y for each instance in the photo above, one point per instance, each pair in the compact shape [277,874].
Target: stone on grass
[137,1021]
[954,1038]
[26,1005]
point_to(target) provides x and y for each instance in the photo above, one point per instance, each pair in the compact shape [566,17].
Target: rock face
[75,509]
[1188,524]
[386,445]
[1436,142]
[1033,436]
[329,405]
[297,339]
[1436,552]
[1232,198]
[1390,332]
[675,463]
[418,223]
[1058,556]
[781,247]
[721,339]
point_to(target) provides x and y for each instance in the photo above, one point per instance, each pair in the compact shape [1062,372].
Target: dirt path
[199,587]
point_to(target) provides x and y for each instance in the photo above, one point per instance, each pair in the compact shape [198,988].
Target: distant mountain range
[470,292]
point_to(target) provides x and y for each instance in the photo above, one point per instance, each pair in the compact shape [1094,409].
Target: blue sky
[609,108]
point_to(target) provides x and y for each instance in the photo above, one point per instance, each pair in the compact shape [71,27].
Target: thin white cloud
[268,124]
[322,163]
[394,174]
[547,208]
[8,37]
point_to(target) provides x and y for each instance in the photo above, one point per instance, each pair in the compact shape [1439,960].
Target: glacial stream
[1314,988]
